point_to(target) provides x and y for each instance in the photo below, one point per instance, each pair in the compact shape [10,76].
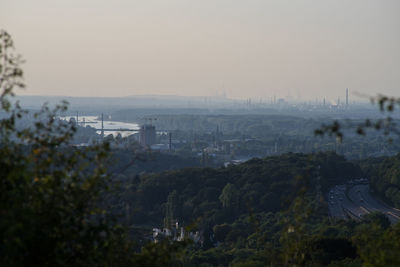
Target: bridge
[128,130]
[102,129]
[118,130]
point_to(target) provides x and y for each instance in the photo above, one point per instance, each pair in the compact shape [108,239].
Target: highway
[354,201]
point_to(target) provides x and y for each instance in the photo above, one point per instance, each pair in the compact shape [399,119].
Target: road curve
[354,201]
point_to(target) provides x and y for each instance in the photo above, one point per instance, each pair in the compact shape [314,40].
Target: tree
[376,246]
[377,218]
[50,192]
[221,231]
[171,209]
[229,196]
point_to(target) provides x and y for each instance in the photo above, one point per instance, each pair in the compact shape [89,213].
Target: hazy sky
[249,48]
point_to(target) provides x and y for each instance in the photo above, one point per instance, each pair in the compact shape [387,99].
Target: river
[94,122]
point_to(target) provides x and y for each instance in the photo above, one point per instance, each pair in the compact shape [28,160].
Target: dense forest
[126,163]
[245,213]
[243,210]
[384,177]
[221,195]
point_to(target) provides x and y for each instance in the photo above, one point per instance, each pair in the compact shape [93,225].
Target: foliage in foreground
[51,208]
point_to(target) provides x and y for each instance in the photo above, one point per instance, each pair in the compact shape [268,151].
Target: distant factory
[147,135]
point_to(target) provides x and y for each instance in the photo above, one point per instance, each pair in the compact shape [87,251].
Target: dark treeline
[384,177]
[245,212]
[224,194]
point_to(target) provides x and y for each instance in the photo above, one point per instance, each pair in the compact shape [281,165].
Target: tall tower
[347,97]
[102,125]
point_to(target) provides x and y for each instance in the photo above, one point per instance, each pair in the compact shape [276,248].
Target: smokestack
[347,97]
[102,125]
[170,141]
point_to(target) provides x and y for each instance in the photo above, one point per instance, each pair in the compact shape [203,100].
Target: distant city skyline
[305,49]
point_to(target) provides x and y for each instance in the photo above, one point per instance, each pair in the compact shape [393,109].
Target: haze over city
[303,49]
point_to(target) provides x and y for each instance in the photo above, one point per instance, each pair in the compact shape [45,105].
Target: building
[176,234]
[147,135]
